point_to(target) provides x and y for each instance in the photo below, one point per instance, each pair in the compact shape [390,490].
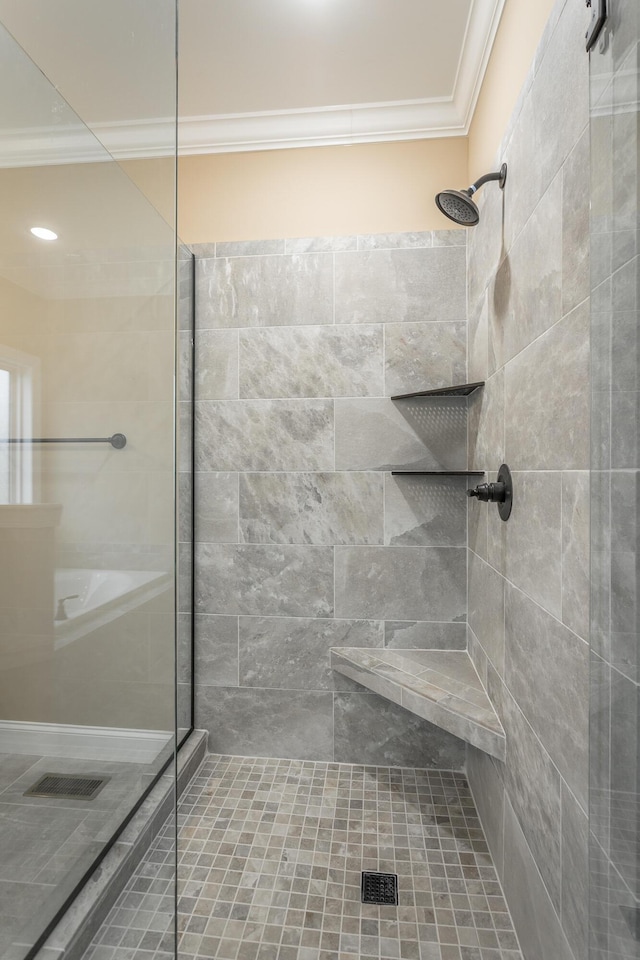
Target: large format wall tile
[320,508]
[394,583]
[217,365]
[312,362]
[528,549]
[575,552]
[264,580]
[264,435]
[421,356]
[488,792]
[267,723]
[401,285]
[405,435]
[295,653]
[216,507]
[533,787]
[425,511]
[370,729]
[527,293]
[417,635]
[486,609]
[534,915]
[272,511]
[547,427]
[575,873]
[265,291]
[216,644]
[547,671]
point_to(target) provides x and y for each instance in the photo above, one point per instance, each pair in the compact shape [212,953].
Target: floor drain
[379,888]
[67,786]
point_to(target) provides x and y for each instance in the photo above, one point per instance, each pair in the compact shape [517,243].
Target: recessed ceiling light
[43,234]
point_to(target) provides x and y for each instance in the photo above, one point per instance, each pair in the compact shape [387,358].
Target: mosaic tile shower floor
[271,854]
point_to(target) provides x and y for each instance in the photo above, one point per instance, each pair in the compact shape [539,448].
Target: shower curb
[75,931]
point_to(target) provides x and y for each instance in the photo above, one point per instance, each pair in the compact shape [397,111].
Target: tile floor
[47,845]
[271,853]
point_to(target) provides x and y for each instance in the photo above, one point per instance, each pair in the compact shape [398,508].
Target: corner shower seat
[441,686]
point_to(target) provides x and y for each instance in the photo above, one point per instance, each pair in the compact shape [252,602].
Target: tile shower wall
[528,578]
[615,281]
[305,541]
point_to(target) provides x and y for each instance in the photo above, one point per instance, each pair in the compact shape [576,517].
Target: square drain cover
[379,888]
[67,786]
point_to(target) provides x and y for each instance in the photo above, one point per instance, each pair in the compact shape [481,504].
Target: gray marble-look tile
[486,412]
[575,226]
[486,609]
[486,244]
[13,766]
[575,873]
[264,580]
[528,549]
[319,508]
[547,426]
[532,783]
[267,723]
[28,839]
[249,248]
[423,356]
[295,653]
[417,635]
[373,730]
[265,291]
[527,289]
[216,503]
[478,340]
[217,365]
[575,552]
[388,286]
[456,237]
[216,647]
[320,244]
[554,700]
[264,435]
[312,362]
[425,511]
[399,241]
[403,435]
[394,583]
[488,792]
[535,916]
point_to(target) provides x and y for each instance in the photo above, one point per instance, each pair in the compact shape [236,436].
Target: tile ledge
[441,686]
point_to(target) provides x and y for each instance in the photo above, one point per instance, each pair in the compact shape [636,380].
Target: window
[19,386]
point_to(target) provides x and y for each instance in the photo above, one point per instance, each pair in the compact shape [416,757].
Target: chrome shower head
[458,205]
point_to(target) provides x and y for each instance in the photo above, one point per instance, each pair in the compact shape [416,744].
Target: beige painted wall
[515,45]
[322,191]
[365,188]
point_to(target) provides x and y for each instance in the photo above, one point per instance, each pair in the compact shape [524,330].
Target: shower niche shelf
[441,686]
[437,473]
[459,390]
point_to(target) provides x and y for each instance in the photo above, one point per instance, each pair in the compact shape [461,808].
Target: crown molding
[274,130]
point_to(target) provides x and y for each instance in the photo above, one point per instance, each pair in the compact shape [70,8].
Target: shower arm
[500,175]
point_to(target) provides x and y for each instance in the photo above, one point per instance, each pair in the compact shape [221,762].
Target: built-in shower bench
[441,686]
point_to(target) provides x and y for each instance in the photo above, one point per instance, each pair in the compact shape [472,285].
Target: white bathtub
[102,596]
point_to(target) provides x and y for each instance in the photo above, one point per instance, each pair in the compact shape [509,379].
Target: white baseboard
[82,743]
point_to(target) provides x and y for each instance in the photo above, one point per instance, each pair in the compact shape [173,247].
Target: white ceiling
[258,74]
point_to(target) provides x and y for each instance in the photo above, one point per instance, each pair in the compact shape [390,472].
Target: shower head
[458,205]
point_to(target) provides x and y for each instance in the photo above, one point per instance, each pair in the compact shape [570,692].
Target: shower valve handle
[489,492]
[500,493]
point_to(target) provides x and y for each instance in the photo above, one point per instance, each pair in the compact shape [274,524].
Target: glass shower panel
[88,474]
[615,490]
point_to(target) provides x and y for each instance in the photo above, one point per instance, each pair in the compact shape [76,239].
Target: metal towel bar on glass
[117,441]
